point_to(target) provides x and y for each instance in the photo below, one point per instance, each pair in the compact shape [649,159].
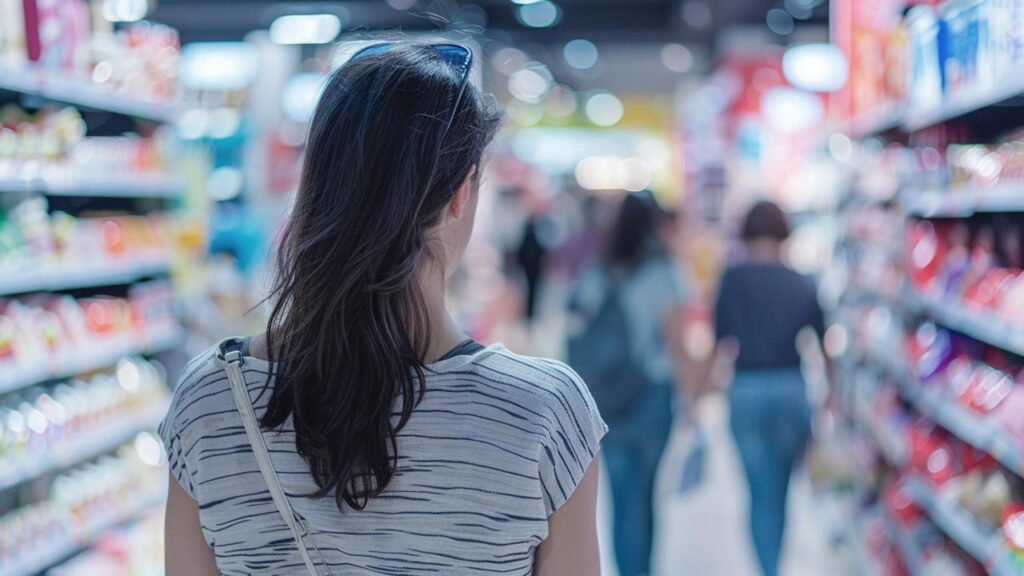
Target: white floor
[704,532]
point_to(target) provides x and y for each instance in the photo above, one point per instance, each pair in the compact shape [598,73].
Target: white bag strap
[233,366]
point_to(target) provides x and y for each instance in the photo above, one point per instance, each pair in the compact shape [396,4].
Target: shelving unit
[909,552]
[82,448]
[981,326]
[882,119]
[80,92]
[72,277]
[965,203]
[962,423]
[99,357]
[966,102]
[57,551]
[94,208]
[133,186]
[971,429]
[985,546]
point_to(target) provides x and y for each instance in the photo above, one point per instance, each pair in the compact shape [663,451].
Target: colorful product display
[973,263]
[83,503]
[136,550]
[46,334]
[39,242]
[70,43]
[920,54]
[52,420]
[52,145]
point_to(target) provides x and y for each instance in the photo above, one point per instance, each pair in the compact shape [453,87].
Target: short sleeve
[573,438]
[817,315]
[725,308]
[174,431]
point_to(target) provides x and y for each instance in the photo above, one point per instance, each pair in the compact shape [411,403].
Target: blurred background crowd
[781,240]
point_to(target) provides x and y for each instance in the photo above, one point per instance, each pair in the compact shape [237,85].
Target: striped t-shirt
[497,444]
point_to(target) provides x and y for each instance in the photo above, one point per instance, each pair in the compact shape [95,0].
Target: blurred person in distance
[625,343]
[761,306]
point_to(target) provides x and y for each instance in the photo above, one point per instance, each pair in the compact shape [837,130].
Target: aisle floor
[704,533]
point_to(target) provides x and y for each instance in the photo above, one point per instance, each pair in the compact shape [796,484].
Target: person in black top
[762,305]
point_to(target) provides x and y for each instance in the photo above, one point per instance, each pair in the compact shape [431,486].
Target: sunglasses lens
[458,57]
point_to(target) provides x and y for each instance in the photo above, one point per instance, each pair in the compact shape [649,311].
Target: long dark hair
[634,234]
[348,330]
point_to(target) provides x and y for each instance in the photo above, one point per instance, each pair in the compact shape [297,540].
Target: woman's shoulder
[202,372]
[545,387]
[544,374]
[201,389]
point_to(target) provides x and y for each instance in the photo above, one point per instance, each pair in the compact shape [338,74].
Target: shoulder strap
[232,362]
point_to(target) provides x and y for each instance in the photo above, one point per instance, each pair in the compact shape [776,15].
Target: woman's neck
[764,250]
[445,334]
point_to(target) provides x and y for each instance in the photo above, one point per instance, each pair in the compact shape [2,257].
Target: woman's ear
[463,195]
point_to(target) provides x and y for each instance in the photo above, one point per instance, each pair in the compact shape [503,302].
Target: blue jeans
[771,421]
[631,451]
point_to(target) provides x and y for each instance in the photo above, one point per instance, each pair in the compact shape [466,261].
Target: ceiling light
[542,14]
[301,94]
[604,109]
[791,111]
[508,60]
[531,83]
[800,9]
[305,29]
[677,58]
[779,21]
[580,54]
[401,4]
[696,14]
[124,10]
[561,102]
[819,67]
[523,2]
[219,65]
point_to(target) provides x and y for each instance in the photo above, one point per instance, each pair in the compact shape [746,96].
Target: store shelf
[982,326]
[62,87]
[74,277]
[131,185]
[968,101]
[985,546]
[52,552]
[84,447]
[909,552]
[970,428]
[881,119]
[863,559]
[99,357]
[965,203]
[962,423]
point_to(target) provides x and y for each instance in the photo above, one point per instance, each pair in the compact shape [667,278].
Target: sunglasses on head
[458,57]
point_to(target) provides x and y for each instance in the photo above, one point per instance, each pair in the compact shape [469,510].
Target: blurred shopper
[531,256]
[626,346]
[396,444]
[762,305]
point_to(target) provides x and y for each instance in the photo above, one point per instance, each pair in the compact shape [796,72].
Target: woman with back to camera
[363,432]
[762,305]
